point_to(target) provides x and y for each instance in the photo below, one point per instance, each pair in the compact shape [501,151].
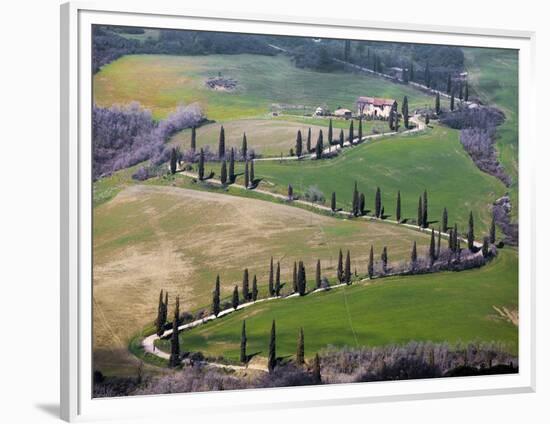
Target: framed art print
[335,211]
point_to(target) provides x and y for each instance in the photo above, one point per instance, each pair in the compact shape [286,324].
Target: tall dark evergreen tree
[414,256]
[485,247]
[347,269]
[299,143]
[438,252]
[471,236]
[318,274]
[223,173]
[300,348]
[295,278]
[378,203]
[271,287]
[290,192]
[351,134]
[173,160]
[466,92]
[221,144]
[361,204]
[360,130]
[398,207]
[302,280]
[232,166]
[341,139]
[456,241]
[355,201]
[272,356]
[333,202]
[419,214]
[244,147]
[161,315]
[278,280]
[246,174]
[340,267]
[411,71]
[174,339]
[370,268]
[425,210]
[254,288]
[252,176]
[405,112]
[449,84]
[245,287]
[216,297]
[201,165]
[308,141]
[437,103]
[452,101]
[493,231]
[319,146]
[432,248]
[461,91]
[445,221]
[193,139]
[235,299]
[384,258]
[317,370]
[427,118]
[330,131]
[244,357]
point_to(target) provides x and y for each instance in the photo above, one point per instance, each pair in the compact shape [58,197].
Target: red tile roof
[376,101]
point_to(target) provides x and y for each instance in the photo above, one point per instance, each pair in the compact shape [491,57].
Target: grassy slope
[162,82]
[434,161]
[494,78]
[452,307]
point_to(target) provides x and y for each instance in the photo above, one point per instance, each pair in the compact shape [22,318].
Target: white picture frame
[76,345]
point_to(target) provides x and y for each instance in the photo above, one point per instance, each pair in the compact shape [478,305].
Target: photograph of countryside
[275,211]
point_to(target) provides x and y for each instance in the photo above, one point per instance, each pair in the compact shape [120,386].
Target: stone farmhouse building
[373,107]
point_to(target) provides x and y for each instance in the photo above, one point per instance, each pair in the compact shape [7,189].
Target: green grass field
[493,74]
[434,161]
[448,307]
[160,83]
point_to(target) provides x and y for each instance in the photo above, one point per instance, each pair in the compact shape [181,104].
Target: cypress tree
[221,144]
[278,280]
[340,268]
[165,309]
[449,84]
[160,321]
[252,176]
[319,146]
[425,210]
[330,131]
[378,203]
[361,204]
[384,258]
[438,243]
[193,139]
[432,248]
[445,221]
[492,231]
[411,71]
[223,173]
[398,207]
[271,289]
[173,160]
[246,175]
[360,130]
[333,202]
[453,101]
[414,256]
[318,274]
[272,358]
[232,166]
[471,232]
[216,297]
[451,240]
[290,193]
[254,288]
[201,165]
[466,92]
[341,139]
[302,281]
[437,104]
[396,119]
[350,134]
[295,278]
[174,340]
[485,248]
[427,119]
[300,348]
[419,214]
[347,269]
[405,112]
[235,299]
[456,241]
[460,91]
[243,343]
[355,201]
[317,370]
[370,268]
[244,147]
[299,143]
[245,290]
[308,142]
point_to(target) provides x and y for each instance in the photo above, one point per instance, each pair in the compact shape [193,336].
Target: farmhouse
[373,107]
[342,113]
